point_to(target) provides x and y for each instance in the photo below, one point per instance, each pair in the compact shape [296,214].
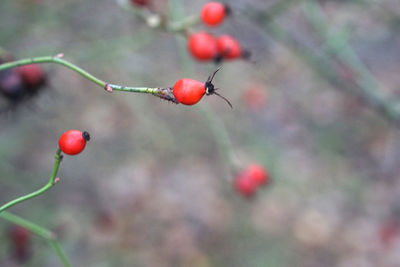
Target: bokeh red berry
[202,46]
[228,47]
[250,179]
[213,13]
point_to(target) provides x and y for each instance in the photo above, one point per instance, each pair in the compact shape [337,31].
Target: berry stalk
[52,181]
[164,93]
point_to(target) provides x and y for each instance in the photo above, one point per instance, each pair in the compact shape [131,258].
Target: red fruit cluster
[20,243]
[250,179]
[22,82]
[205,47]
[73,142]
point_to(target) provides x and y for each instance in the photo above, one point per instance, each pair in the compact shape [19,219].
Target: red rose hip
[228,47]
[245,185]
[258,174]
[202,46]
[32,75]
[73,142]
[213,13]
[189,92]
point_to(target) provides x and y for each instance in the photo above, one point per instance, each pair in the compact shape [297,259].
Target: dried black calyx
[86,136]
[209,88]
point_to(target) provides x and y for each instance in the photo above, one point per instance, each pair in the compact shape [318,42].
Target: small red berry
[245,185]
[213,13]
[228,47]
[258,174]
[202,46]
[189,92]
[32,75]
[73,142]
[252,177]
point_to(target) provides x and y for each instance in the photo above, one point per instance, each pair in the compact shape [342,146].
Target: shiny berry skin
[257,173]
[202,46]
[73,142]
[228,47]
[246,186]
[188,91]
[213,13]
[32,75]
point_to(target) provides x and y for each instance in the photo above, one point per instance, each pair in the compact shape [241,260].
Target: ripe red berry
[73,142]
[189,92]
[245,185]
[213,13]
[32,75]
[257,173]
[252,177]
[202,46]
[228,47]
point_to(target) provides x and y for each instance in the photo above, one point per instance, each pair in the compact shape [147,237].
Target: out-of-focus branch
[40,231]
[324,65]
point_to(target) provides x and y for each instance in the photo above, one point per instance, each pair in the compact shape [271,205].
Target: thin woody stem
[164,93]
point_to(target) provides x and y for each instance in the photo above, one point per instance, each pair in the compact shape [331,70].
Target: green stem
[337,45]
[221,137]
[40,231]
[183,25]
[216,126]
[40,191]
[160,92]
[322,65]
[60,253]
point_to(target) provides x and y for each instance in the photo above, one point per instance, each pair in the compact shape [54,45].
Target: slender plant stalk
[40,231]
[164,93]
[323,65]
[52,181]
[338,46]
[216,126]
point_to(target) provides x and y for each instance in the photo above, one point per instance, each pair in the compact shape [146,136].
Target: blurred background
[317,104]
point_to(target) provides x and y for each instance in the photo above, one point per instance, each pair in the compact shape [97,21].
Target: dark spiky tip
[86,136]
[228,10]
[218,59]
[246,54]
